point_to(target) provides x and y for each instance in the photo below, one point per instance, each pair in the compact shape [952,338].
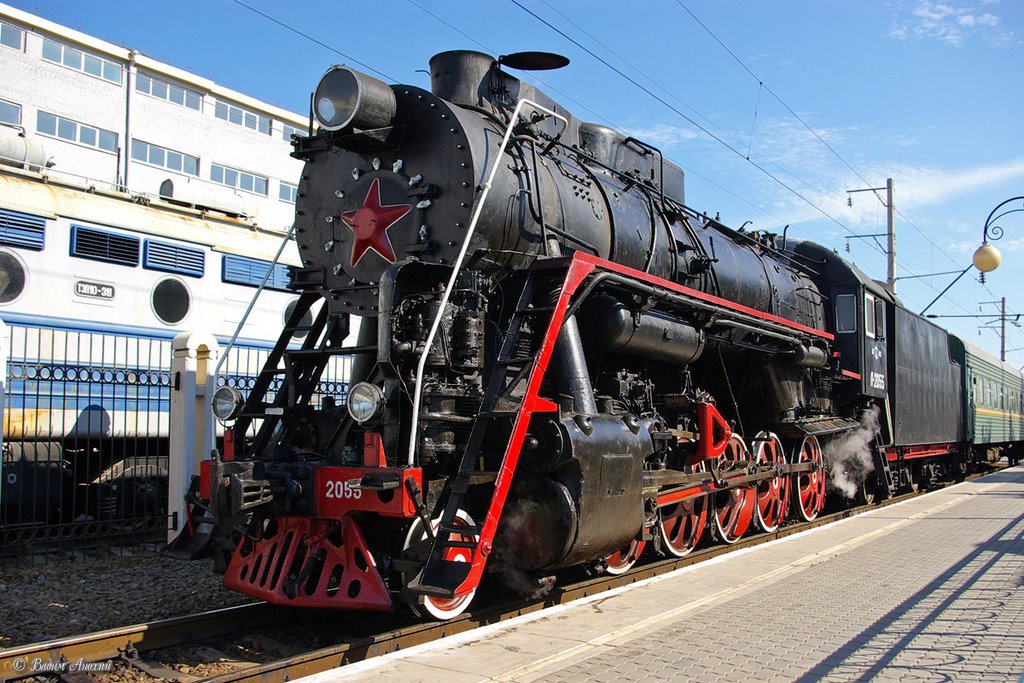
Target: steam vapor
[849,458]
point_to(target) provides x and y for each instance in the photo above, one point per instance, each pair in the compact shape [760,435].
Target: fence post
[5,345]
[193,362]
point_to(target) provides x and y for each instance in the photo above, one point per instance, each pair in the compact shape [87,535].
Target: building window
[167,158]
[72,131]
[241,117]
[10,112]
[11,36]
[168,91]
[80,61]
[289,131]
[287,192]
[240,179]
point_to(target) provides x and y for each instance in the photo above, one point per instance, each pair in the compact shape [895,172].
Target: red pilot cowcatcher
[370,222]
[308,562]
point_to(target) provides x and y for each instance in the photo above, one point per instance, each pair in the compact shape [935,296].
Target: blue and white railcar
[94,284]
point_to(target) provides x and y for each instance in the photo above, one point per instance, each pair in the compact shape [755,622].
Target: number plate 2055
[338,491]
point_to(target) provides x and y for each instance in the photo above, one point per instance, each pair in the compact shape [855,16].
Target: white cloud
[929,186]
[950,23]
[665,135]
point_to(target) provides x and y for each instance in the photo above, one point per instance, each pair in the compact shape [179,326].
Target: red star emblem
[370,222]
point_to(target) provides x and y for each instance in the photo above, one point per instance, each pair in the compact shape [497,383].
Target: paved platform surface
[927,590]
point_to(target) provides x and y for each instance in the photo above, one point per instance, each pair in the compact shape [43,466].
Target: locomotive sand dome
[560,363]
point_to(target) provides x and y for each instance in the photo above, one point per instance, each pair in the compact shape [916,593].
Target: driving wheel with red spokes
[620,562]
[808,487]
[682,524]
[443,609]
[772,494]
[734,506]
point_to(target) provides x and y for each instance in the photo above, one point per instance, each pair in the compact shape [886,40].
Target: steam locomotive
[559,363]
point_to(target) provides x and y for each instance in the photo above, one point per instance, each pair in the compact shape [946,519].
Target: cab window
[879,319]
[846,313]
[869,315]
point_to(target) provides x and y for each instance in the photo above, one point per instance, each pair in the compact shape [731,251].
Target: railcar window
[10,112]
[846,313]
[242,270]
[232,177]
[879,319]
[81,61]
[171,301]
[869,315]
[241,117]
[73,131]
[287,192]
[167,158]
[12,278]
[22,230]
[173,258]
[11,36]
[165,90]
[99,245]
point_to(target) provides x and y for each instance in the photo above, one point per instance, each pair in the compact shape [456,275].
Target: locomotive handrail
[248,310]
[457,265]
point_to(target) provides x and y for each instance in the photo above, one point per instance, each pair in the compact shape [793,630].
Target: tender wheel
[772,494]
[808,487]
[620,562]
[682,524]
[734,507]
[444,608]
[867,491]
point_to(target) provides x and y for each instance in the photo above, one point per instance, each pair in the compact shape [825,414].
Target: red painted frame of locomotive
[923,451]
[580,267]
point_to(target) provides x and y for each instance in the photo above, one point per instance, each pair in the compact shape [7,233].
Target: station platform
[929,589]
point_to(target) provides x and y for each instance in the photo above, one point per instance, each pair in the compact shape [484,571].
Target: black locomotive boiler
[558,362]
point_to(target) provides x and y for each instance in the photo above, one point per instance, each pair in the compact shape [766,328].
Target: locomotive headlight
[365,402]
[345,97]
[227,403]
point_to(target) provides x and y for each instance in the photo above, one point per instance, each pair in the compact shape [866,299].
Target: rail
[127,642]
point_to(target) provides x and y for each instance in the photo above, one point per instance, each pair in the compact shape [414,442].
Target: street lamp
[986,257]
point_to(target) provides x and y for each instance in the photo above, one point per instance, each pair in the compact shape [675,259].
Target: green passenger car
[993,402]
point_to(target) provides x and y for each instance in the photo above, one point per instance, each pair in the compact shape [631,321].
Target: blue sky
[928,93]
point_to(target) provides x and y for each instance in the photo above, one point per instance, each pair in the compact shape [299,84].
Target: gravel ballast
[55,600]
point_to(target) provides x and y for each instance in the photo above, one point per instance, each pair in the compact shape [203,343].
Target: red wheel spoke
[734,508]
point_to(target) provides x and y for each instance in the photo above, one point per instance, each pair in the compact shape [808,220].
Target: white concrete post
[5,346]
[193,362]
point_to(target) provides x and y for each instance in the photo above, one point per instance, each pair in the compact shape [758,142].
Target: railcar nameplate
[94,290]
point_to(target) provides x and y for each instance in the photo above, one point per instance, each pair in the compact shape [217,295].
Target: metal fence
[86,425]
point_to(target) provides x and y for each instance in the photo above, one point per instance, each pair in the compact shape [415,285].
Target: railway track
[132,642]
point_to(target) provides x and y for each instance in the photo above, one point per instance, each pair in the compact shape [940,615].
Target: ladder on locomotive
[301,369]
[500,408]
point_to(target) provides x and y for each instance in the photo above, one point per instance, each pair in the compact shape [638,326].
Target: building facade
[117,118]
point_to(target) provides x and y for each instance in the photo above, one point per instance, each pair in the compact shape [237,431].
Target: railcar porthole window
[12,277]
[171,301]
[846,313]
[307,318]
